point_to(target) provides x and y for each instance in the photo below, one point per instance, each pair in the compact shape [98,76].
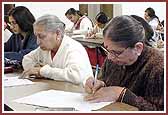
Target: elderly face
[72,18]
[46,40]
[14,26]
[120,55]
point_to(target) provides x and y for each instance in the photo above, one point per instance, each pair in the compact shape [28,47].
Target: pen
[97,69]
[95,78]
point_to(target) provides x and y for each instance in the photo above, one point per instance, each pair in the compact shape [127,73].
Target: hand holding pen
[92,84]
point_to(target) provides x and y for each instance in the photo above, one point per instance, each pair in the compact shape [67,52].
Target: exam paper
[15,81]
[78,36]
[61,99]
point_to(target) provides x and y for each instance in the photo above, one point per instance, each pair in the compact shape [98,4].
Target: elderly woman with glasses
[133,73]
[23,40]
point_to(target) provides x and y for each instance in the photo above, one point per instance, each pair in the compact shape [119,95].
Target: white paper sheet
[61,99]
[14,81]
[78,36]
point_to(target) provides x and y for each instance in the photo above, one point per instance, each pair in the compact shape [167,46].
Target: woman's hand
[105,94]
[91,86]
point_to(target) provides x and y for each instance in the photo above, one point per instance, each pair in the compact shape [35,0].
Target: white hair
[52,23]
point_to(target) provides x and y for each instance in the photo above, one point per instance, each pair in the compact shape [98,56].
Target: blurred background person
[23,39]
[81,22]
[101,20]
[154,22]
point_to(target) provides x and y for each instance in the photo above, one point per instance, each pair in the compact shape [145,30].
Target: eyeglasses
[114,54]
[13,24]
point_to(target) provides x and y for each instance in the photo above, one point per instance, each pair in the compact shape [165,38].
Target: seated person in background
[23,39]
[59,57]
[151,18]
[101,20]
[81,22]
[133,73]
[148,30]
[153,21]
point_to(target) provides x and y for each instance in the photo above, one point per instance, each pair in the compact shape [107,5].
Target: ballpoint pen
[96,73]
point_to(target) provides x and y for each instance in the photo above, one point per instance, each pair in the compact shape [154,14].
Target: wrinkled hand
[105,94]
[35,71]
[90,87]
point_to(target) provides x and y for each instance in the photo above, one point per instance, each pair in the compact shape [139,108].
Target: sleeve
[154,23]
[30,45]
[153,99]
[14,56]
[85,24]
[77,69]
[7,45]
[31,59]
[9,48]
[18,55]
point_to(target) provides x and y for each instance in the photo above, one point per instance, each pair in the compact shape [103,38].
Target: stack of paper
[15,81]
[61,99]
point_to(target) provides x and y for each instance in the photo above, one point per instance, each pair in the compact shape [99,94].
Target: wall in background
[119,8]
[41,8]
[138,8]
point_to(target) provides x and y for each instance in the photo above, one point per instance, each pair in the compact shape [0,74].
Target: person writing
[101,21]
[59,57]
[133,73]
[23,39]
[81,22]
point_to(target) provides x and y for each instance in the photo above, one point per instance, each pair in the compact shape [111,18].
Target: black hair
[151,13]
[162,23]
[72,11]
[101,18]
[24,18]
[7,8]
[148,29]
[125,30]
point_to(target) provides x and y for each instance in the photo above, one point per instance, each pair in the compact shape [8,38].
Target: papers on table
[61,99]
[78,36]
[15,81]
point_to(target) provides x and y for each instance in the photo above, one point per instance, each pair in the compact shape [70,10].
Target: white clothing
[154,23]
[7,35]
[98,31]
[85,26]
[70,63]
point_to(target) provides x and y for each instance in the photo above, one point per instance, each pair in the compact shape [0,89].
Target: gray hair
[52,23]
[125,29]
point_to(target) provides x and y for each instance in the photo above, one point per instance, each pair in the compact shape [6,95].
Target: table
[11,93]
[90,41]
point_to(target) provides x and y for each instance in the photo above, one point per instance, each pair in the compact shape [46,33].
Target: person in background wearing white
[59,57]
[81,22]
[153,21]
